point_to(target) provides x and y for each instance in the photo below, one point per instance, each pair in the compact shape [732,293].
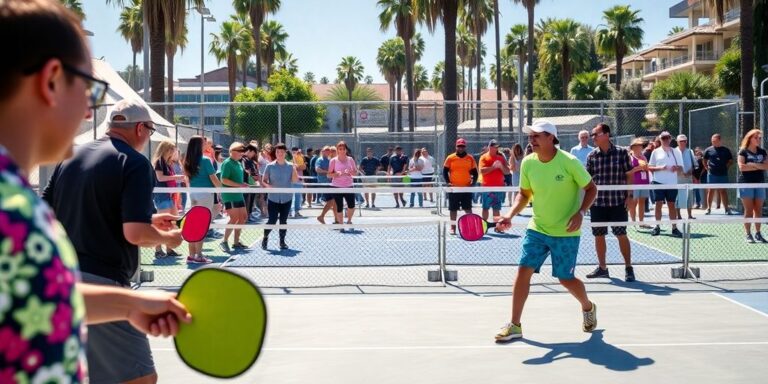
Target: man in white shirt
[428,172]
[685,176]
[583,149]
[665,163]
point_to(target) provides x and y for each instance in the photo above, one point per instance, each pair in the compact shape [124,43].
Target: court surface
[446,336]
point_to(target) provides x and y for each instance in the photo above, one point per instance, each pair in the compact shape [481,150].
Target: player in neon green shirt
[554,177]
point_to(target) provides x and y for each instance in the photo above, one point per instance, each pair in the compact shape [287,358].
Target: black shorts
[662,195]
[234,204]
[457,201]
[608,214]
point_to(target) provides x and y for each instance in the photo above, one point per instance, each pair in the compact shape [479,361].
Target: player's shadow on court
[648,289]
[284,252]
[595,350]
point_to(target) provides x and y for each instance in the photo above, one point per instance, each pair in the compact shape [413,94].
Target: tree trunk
[409,84]
[747,63]
[349,107]
[531,65]
[468,104]
[566,68]
[133,72]
[498,65]
[245,72]
[232,80]
[399,107]
[169,109]
[450,13]
[391,120]
[464,93]
[619,62]
[479,83]
[256,21]
[157,60]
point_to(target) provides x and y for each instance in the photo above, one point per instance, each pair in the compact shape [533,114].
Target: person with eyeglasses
[553,178]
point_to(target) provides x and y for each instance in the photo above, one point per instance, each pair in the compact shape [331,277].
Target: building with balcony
[695,49]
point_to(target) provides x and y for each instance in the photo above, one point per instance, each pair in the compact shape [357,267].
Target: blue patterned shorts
[492,200]
[537,246]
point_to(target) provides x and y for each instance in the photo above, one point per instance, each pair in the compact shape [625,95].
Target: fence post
[680,123]
[602,112]
[279,123]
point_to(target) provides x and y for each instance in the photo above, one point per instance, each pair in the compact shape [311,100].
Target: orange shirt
[459,168]
[209,153]
[494,178]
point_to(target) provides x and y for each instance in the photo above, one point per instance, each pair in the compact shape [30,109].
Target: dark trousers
[275,210]
[250,199]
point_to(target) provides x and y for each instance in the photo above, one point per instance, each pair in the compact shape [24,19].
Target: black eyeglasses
[150,128]
[97,89]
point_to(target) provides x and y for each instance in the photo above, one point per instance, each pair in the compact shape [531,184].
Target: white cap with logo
[130,111]
[540,126]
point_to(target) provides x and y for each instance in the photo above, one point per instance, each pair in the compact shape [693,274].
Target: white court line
[514,345]
[759,312]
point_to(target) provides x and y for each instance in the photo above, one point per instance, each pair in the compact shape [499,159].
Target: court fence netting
[405,241]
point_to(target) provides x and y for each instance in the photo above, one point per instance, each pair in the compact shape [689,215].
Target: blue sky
[322,32]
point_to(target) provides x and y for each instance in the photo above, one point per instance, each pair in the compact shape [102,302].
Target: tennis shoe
[676,232]
[509,331]
[759,238]
[750,239]
[224,247]
[590,319]
[599,272]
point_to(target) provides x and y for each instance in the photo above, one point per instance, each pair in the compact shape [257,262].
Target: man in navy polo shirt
[398,166]
[369,165]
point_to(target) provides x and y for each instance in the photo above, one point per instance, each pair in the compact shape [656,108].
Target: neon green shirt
[555,187]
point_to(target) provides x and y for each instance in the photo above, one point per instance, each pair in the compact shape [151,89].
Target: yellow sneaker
[590,319]
[509,331]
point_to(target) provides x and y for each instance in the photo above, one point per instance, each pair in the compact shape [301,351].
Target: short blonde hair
[164,150]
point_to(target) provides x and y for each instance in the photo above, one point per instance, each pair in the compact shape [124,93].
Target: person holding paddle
[47,91]
[553,177]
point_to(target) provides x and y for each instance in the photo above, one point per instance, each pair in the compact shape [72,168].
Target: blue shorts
[537,246]
[752,193]
[717,179]
[492,200]
[162,201]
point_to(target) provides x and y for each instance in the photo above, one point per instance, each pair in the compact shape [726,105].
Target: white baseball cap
[130,111]
[682,138]
[540,126]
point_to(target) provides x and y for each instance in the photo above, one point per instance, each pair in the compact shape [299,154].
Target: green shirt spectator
[233,171]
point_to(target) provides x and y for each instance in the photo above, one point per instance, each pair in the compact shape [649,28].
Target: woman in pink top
[640,177]
[341,170]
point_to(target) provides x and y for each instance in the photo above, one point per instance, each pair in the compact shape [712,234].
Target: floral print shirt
[41,313]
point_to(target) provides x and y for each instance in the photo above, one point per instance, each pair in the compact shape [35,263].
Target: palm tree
[719,7]
[368,79]
[225,47]
[446,12]
[163,17]
[621,34]
[257,10]
[309,77]
[477,15]
[566,43]
[248,46]
[391,61]
[675,30]
[404,13]
[508,78]
[286,62]
[747,65]
[420,80]
[497,39]
[173,43]
[516,43]
[438,73]
[324,80]
[75,6]
[530,6]
[273,38]
[589,86]
[465,48]
[350,70]
[131,28]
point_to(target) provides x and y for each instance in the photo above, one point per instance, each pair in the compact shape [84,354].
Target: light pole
[205,15]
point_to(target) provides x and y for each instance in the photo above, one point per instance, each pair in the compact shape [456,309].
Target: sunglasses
[666,138]
[150,128]
[596,134]
[97,89]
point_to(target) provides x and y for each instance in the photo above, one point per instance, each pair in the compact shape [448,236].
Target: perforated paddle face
[471,227]
[194,225]
[229,320]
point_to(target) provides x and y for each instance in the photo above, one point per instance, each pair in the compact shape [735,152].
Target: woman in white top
[514,166]
[428,172]
[265,157]
[415,166]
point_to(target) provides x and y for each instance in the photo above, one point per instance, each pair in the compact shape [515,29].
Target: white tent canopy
[119,90]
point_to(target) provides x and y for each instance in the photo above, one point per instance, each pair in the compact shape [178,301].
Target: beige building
[696,49]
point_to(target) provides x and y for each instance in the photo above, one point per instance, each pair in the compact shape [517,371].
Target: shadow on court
[595,350]
[648,289]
